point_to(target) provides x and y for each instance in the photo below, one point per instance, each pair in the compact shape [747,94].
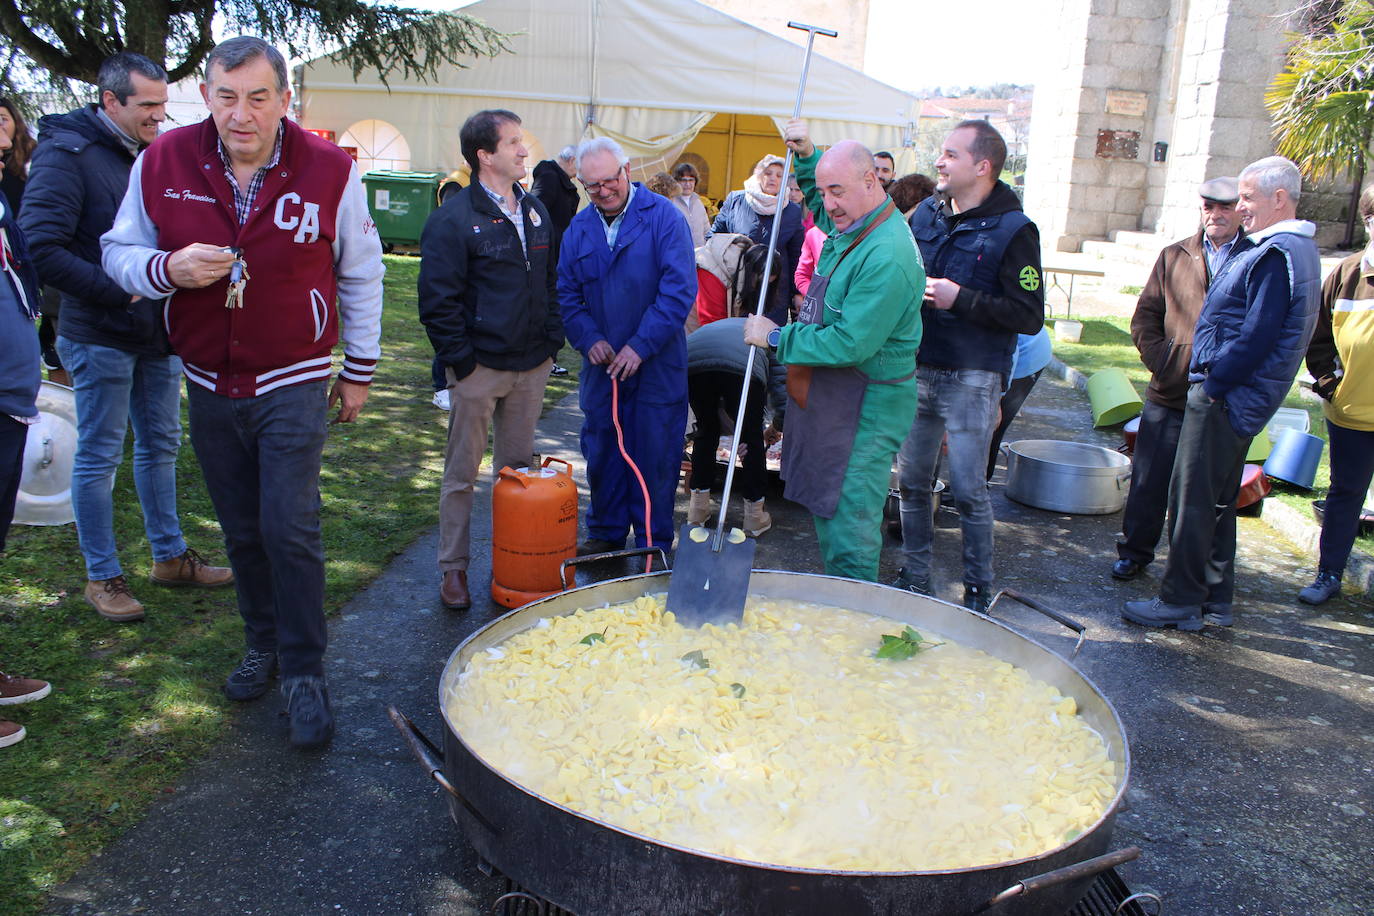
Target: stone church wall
[1131,74]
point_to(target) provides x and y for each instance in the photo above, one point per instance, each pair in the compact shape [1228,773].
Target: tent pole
[730,158]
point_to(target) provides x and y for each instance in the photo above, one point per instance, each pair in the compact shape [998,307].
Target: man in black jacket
[982,255]
[554,187]
[114,344]
[488,298]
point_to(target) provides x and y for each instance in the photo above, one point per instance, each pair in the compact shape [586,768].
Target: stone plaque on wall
[1118,144]
[1126,103]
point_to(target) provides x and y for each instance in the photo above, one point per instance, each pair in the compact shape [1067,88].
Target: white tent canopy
[641,69]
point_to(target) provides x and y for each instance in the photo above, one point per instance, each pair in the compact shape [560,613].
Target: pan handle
[425,751]
[1084,869]
[1034,605]
[570,562]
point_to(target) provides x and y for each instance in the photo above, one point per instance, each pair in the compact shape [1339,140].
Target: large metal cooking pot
[1071,477]
[594,869]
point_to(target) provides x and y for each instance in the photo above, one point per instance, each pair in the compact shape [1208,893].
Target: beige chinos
[509,401]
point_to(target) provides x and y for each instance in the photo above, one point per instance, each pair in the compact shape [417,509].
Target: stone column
[1072,192]
[1231,49]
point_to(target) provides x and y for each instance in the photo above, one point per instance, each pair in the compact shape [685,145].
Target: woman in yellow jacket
[1341,359]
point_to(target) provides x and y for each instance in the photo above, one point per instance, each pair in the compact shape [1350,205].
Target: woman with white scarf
[750,212]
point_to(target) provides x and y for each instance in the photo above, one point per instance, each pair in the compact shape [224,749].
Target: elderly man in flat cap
[1162,329]
[1251,335]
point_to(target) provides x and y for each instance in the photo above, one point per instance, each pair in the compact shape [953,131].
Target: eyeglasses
[594,187]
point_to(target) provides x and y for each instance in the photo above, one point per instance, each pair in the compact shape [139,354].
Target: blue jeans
[261,460]
[962,403]
[115,388]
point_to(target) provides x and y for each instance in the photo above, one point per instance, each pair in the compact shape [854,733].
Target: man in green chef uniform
[851,355]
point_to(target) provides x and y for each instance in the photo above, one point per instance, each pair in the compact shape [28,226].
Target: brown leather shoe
[112,600]
[10,733]
[191,569]
[21,689]
[454,590]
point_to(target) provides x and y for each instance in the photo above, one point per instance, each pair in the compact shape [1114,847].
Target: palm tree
[1322,103]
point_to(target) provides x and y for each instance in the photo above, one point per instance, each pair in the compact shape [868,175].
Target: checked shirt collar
[243,199]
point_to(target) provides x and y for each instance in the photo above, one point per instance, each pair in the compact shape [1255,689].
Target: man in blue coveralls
[626,280]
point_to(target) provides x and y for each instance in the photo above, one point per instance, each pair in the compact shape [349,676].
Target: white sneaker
[441,399]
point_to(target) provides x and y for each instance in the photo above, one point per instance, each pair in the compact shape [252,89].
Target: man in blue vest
[1255,325]
[982,255]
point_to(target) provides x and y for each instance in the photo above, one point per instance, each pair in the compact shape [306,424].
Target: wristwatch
[774,336]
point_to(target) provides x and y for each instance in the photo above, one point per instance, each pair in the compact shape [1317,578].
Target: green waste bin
[400,202]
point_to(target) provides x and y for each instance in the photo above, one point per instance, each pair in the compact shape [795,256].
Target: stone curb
[1301,529]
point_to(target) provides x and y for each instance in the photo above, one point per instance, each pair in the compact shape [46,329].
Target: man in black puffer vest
[113,344]
[982,255]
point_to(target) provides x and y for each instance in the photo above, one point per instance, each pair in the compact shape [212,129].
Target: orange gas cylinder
[533,530]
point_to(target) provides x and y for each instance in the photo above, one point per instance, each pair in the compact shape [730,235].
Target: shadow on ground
[1252,786]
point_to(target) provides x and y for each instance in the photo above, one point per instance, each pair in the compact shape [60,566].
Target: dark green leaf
[593,638]
[900,647]
[695,657]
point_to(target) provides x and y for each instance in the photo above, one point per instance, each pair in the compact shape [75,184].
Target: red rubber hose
[643,487]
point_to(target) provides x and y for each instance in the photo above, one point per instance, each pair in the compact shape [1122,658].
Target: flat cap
[1224,190]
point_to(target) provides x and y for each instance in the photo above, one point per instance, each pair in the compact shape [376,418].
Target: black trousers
[1010,404]
[1352,467]
[708,393]
[13,435]
[1202,506]
[261,459]
[1152,468]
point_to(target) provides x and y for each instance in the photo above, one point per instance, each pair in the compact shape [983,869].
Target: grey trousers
[1202,505]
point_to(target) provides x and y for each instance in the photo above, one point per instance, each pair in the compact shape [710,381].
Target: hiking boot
[914,584]
[21,689]
[249,680]
[307,703]
[1323,588]
[112,599]
[10,733]
[756,518]
[698,507]
[191,569]
[977,598]
[1125,570]
[1218,615]
[1159,613]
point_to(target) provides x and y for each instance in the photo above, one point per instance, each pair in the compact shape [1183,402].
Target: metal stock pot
[1071,477]
[595,869]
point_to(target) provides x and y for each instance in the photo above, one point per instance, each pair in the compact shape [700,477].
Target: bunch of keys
[238,279]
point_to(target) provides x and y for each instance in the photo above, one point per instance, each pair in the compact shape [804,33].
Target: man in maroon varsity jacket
[246,183]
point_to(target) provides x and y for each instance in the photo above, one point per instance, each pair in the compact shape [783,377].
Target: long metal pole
[812,31]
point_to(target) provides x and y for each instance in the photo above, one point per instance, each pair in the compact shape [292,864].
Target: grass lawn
[1106,343]
[132,705]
